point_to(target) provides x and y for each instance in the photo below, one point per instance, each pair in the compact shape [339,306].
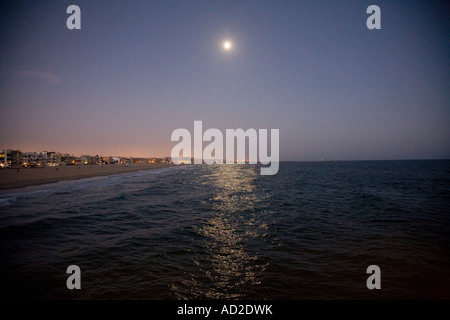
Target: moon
[227,45]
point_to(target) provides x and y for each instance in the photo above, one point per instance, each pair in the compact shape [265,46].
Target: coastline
[25,177]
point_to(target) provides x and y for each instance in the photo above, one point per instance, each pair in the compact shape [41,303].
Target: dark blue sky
[137,70]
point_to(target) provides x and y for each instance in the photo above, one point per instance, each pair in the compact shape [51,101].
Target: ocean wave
[7,200]
[9,197]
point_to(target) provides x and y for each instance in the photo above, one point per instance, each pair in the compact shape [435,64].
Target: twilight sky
[137,70]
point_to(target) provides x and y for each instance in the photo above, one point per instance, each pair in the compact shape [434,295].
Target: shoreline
[11,179]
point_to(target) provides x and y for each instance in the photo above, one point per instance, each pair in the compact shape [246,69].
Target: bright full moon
[227,45]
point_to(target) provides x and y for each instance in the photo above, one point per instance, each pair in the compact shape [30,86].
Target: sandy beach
[24,177]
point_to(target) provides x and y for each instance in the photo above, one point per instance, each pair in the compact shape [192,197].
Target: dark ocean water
[225,232]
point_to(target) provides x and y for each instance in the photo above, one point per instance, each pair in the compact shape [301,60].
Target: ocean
[226,232]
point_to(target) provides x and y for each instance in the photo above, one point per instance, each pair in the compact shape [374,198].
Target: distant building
[126,160]
[34,159]
[113,160]
[43,159]
[53,158]
[16,158]
[139,160]
[10,158]
[88,160]
[67,160]
[29,159]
